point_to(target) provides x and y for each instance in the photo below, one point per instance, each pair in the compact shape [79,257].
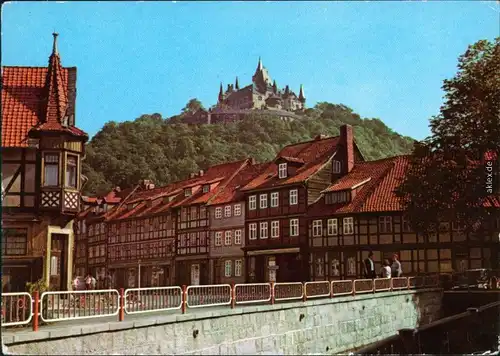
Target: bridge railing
[23,309]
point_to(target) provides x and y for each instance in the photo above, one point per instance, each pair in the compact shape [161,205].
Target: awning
[274,251]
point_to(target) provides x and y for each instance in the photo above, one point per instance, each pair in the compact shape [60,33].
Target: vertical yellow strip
[47,256]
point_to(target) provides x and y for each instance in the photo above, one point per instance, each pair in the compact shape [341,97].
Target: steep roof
[375,182]
[38,99]
[314,154]
[149,202]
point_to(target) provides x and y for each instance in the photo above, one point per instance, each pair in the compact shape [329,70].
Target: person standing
[369,267]
[396,270]
[385,272]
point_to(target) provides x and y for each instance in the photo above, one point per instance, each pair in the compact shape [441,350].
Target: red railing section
[50,307]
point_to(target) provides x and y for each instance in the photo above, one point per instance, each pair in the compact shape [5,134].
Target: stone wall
[325,326]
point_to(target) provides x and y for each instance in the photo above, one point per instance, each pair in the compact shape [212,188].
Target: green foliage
[166,150]
[39,286]
[447,179]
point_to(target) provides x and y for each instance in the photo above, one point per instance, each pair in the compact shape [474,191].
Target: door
[59,262]
[195,274]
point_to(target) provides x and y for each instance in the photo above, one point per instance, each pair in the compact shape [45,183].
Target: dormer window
[206,188]
[337,167]
[51,174]
[188,192]
[282,170]
[337,197]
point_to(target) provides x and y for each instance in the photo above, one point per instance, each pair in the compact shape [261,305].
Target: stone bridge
[322,326]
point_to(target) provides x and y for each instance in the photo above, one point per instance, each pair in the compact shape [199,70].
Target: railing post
[353,287]
[233,295]
[184,298]
[272,292]
[330,284]
[121,313]
[392,285]
[304,296]
[36,301]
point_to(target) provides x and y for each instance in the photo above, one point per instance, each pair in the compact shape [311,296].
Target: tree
[447,178]
[192,106]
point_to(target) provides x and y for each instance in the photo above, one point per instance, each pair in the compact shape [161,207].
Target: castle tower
[221,94]
[302,97]
[237,84]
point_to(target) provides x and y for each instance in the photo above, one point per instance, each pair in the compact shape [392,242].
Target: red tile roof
[314,153]
[37,99]
[146,199]
[376,194]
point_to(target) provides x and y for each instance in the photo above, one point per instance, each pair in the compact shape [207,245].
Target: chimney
[192,175]
[201,173]
[347,140]
[319,137]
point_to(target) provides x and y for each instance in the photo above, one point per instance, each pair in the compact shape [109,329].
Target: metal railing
[288,291]
[22,308]
[252,293]
[17,309]
[208,295]
[317,289]
[146,300]
[57,306]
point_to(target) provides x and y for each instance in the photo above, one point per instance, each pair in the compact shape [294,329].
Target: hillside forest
[163,150]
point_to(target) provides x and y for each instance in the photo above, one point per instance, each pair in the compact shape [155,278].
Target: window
[71,171]
[252,202]
[238,266]
[337,167]
[385,224]
[263,201]
[348,226]
[206,188]
[275,229]
[237,209]
[274,199]
[317,228]
[187,192]
[252,231]
[263,230]
[294,227]
[227,211]
[405,224]
[455,226]
[294,197]
[332,227]
[218,238]
[282,170]
[227,268]
[51,176]
[14,242]
[338,197]
[237,237]
[218,213]
[227,238]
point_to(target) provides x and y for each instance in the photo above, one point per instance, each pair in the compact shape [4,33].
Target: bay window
[71,171]
[51,169]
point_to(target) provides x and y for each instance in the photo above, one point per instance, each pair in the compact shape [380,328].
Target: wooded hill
[151,147]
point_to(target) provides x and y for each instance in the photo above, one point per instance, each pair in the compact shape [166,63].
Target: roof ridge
[247,160]
[34,67]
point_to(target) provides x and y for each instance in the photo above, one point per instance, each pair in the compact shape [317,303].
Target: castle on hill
[261,97]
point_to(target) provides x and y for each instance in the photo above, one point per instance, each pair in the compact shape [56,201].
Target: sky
[382,59]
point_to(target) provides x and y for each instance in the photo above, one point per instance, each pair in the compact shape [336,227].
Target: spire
[275,87]
[259,65]
[55,86]
[237,84]
[221,93]
[302,98]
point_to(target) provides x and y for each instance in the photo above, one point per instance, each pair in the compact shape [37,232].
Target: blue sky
[382,59]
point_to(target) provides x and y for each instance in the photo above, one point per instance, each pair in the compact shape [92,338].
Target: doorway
[195,274]
[59,261]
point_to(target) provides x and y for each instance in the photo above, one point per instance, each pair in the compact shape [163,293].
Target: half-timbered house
[360,213]
[277,201]
[193,223]
[42,150]
[227,229]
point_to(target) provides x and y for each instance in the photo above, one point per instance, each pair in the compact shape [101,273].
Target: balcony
[64,200]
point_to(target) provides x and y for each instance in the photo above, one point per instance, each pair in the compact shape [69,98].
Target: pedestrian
[385,271]
[396,270]
[88,281]
[93,282]
[369,267]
